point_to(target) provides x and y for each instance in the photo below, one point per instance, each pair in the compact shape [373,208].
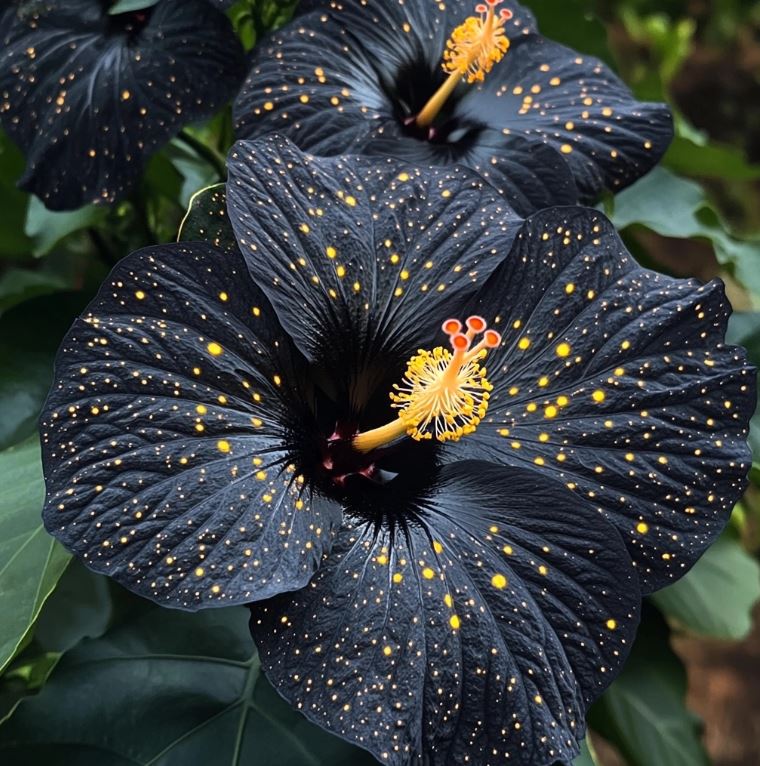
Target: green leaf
[23,678]
[716,597]
[196,171]
[643,713]
[675,207]
[18,285]
[80,607]
[744,330]
[30,560]
[29,336]
[176,688]
[586,758]
[206,219]
[24,382]
[125,6]
[47,228]
[687,157]
[13,242]
[571,24]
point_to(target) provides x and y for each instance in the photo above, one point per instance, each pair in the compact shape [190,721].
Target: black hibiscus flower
[89,95]
[475,545]
[544,124]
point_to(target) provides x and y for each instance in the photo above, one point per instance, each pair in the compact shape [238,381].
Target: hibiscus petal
[478,633]
[548,93]
[529,174]
[79,92]
[166,436]
[352,253]
[617,380]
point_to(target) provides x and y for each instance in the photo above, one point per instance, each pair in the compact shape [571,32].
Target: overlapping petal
[168,433]
[548,126]
[478,633]
[82,89]
[617,380]
[575,104]
[353,252]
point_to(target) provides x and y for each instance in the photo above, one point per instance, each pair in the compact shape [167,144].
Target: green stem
[141,213]
[103,249]
[205,152]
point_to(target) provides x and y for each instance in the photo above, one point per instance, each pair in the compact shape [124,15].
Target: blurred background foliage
[84,662]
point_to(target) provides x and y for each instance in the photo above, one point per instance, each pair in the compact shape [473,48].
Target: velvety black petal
[530,174]
[353,253]
[167,436]
[617,380]
[546,92]
[90,96]
[478,634]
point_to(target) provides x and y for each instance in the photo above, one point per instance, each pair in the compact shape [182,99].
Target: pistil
[471,51]
[444,393]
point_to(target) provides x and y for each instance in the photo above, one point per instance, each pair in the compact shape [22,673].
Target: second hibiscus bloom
[543,124]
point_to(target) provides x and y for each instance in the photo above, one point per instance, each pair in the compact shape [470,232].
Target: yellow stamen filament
[444,393]
[471,51]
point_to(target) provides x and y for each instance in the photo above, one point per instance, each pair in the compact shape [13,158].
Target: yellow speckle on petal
[499,581]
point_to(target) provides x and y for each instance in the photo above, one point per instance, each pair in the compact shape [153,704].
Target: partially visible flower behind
[89,96]
[471,442]
[543,123]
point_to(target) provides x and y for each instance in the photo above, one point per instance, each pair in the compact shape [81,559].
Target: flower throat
[471,51]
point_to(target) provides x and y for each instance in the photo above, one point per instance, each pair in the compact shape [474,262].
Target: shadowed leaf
[675,207]
[643,713]
[191,685]
[207,221]
[716,597]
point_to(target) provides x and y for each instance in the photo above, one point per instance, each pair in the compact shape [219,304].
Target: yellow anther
[477,44]
[444,393]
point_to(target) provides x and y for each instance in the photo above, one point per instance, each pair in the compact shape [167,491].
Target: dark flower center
[441,397]
[409,91]
[130,23]
[425,101]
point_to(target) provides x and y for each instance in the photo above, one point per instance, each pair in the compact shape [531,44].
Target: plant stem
[211,156]
[103,249]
